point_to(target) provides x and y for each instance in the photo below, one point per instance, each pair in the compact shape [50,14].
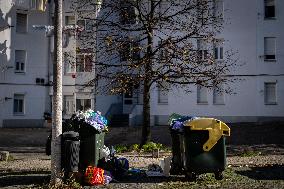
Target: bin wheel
[219,175]
[191,176]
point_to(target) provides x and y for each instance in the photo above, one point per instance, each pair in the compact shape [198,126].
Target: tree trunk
[146,130]
[57,98]
[146,127]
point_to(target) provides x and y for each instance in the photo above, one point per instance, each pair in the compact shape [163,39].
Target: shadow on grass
[274,172]
[144,179]
[23,179]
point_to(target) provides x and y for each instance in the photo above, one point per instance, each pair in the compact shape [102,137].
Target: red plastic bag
[94,175]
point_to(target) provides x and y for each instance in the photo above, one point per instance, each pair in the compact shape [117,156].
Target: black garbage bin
[92,142]
[204,144]
[177,135]
[70,152]
[177,155]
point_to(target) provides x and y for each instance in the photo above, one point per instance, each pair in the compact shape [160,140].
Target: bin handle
[216,129]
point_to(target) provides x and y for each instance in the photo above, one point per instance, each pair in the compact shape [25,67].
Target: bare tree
[167,43]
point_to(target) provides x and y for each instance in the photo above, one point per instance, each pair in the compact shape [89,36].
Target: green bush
[120,148]
[135,147]
[150,146]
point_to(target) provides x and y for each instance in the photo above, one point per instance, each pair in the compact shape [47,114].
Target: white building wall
[35,44]
[244,32]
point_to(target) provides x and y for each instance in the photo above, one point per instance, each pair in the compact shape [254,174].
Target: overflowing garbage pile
[87,154]
[89,118]
[176,121]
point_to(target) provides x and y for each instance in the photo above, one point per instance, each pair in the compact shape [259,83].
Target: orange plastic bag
[94,175]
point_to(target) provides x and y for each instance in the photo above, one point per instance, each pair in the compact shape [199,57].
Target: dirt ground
[249,165]
[32,170]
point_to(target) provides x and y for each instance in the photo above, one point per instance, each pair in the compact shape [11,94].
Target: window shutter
[270,93]
[201,94]
[218,95]
[162,96]
[69,104]
[88,63]
[269,47]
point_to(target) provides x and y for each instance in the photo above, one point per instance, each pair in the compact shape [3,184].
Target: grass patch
[11,158]
[148,147]
[250,153]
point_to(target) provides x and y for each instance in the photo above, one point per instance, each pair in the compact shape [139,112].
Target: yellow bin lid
[216,129]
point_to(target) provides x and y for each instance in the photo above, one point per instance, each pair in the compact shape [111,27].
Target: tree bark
[146,127]
[146,130]
[57,98]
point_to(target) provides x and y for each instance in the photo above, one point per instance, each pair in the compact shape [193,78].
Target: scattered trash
[94,176]
[104,152]
[166,166]
[118,167]
[134,171]
[154,170]
[107,177]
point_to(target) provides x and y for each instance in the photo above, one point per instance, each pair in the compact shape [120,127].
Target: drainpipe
[49,12]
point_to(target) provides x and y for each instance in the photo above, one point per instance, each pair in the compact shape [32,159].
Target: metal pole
[57,97]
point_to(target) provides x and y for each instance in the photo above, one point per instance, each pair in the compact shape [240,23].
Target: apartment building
[253,28]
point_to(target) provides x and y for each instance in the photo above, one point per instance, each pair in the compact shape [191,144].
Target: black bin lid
[70,134]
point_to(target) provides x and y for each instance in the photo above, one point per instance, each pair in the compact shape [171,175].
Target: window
[19,103]
[128,14]
[270,93]
[218,95]
[218,9]
[83,104]
[69,64]
[128,97]
[84,63]
[202,52]
[85,24]
[68,106]
[162,94]
[164,53]
[70,20]
[130,50]
[38,5]
[203,9]
[269,10]
[269,48]
[218,50]
[21,23]
[20,61]
[201,95]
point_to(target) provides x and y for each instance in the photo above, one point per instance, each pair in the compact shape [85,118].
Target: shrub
[150,146]
[120,148]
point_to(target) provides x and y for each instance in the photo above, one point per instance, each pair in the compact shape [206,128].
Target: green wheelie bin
[204,147]
[92,142]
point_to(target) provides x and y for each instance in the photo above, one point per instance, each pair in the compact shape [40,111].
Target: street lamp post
[57,97]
